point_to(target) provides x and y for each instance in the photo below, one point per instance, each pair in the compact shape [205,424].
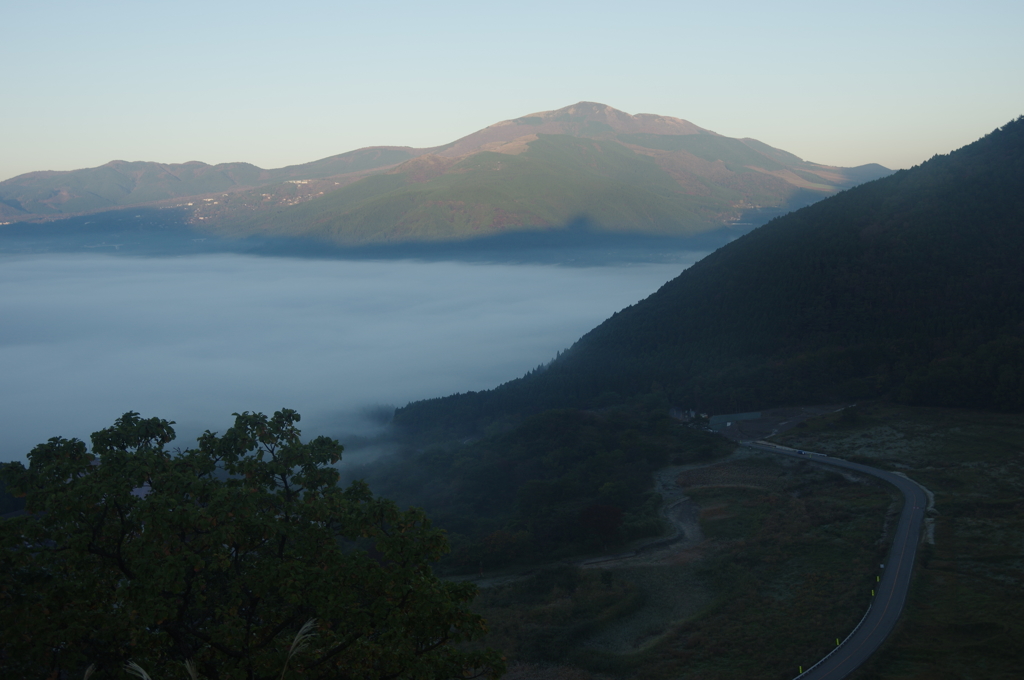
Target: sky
[86,338]
[273,84]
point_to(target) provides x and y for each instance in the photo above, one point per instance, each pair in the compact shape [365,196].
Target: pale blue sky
[276,84]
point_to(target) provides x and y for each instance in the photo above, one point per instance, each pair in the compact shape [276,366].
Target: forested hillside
[561,483]
[909,287]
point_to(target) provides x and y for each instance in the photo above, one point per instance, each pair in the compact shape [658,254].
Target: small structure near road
[763,424]
[718,423]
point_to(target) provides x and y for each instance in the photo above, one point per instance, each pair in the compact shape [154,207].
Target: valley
[610,538]
[754,594]
[532,341]
[669,605]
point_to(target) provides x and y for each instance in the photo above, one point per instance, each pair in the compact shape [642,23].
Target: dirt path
[682,514]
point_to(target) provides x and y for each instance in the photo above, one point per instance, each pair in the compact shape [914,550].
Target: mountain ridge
[543,170]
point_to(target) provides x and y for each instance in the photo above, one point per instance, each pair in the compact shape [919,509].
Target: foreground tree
[219,555]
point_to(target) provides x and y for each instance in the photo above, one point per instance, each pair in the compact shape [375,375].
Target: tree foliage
[219,554]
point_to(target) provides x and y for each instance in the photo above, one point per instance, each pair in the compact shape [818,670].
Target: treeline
[8,502]
[560,483]
[910,287]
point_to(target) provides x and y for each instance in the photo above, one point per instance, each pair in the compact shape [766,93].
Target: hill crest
[583,119]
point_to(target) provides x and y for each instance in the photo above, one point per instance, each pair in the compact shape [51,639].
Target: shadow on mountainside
[155,232]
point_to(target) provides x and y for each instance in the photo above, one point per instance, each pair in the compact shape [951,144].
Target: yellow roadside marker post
[801,669]
[837,642]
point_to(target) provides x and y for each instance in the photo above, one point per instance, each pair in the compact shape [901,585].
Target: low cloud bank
[85,338]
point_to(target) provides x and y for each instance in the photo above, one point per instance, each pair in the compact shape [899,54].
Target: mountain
[586,162]
[123,183]
[909,287]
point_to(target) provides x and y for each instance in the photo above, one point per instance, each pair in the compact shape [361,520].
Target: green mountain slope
[619,172]
[911,287]
[643,173]
[356,161]
[558,178]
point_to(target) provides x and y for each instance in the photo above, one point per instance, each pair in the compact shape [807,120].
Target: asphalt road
[891,592]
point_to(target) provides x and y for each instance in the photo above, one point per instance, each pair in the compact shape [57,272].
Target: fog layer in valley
[85,338]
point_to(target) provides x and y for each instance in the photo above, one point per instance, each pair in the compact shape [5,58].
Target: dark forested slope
[910,287]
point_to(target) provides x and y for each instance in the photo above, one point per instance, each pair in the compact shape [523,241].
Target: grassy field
[965,616]
[785,567]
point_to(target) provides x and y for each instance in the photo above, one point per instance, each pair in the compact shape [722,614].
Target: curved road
[891,592]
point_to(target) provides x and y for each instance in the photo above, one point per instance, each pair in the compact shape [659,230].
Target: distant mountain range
[644,173]
[910,287]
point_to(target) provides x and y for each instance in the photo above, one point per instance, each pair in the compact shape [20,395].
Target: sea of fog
[85,338]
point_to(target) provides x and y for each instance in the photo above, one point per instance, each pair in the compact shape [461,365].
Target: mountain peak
[591,120]
[620,121]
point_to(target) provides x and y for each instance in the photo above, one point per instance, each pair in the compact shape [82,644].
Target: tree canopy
[219,554]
